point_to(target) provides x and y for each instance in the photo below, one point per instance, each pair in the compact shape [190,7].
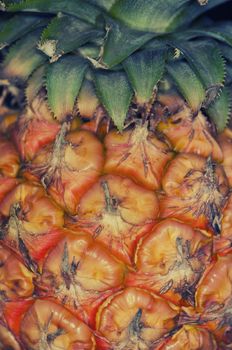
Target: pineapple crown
[117,51]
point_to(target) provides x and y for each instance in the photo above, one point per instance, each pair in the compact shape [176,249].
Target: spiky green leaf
[63,82]
[89,51]
[193,11]
[149,15]
[77,8]
[17,26]
[158,43]
[188,84]
[207,62]
[104,4]
[23,57]
[5,17]
[115,93]
[226,52]
[121,42]
[87,99]
[221,32]
[220,110]
[65,34]
[228,80]
[144,70]
[10,2]
[35,83]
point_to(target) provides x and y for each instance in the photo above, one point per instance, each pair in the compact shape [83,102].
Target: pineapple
[115,176]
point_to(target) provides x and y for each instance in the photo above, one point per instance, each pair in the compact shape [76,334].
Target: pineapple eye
[195,191]
[16,281]
[30,216]
[79,271]
[187,336]
[74,154]
[215,306]
[173,268]
[134,318]
[116,211]
[138,154]
[53,327]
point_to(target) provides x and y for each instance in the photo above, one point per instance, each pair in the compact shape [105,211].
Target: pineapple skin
[138,256]
[115,175]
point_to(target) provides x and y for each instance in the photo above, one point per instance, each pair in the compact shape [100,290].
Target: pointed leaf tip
[220,110]
[188,84]
[23,57]
[35,83]
[18,26]
[65,34]
[150,15]
[115,93]
[144,70]
[77,8]
[121,42]
[63,82]
[206,60]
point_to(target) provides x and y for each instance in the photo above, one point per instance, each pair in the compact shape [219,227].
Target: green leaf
[144,70]
[65,34]
[115,93]
[228,75]
[159,43]
[188,84]
[17,26]
[221,32]
[10,2]
[87,101]
[23,57]
[89,51]
[104,4]
[63,82]
[207,62]
[121,42]
[190,13]
[5,17]
[226,52]
[149,15]
[77,8]
[35,83]
[220,110]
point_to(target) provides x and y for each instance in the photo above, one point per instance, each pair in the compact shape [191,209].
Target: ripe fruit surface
[116,211]
[174,267]
[115,175]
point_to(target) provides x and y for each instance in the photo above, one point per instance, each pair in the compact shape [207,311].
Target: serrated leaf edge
[229,115]
[99,95]
[43,84]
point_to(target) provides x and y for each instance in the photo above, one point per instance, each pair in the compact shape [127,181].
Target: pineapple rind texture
[115,176]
